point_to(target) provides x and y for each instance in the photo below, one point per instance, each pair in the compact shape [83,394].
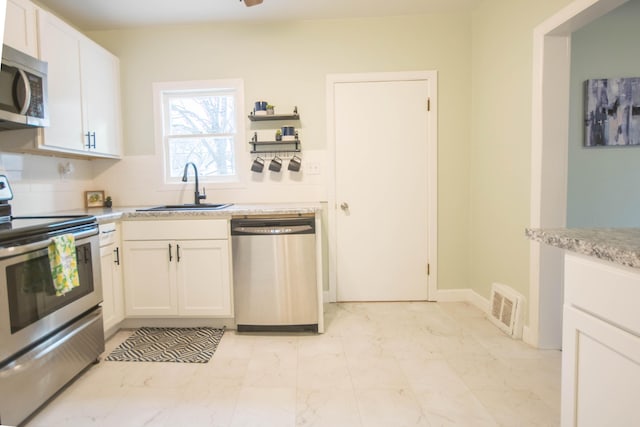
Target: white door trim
[549,145]
[432,186]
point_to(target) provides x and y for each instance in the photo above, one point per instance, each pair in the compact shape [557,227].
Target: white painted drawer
[607,290]
[108,233]
[176,229]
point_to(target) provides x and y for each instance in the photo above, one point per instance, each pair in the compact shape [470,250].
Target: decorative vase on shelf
[278,135]
[270,110]
[108,202]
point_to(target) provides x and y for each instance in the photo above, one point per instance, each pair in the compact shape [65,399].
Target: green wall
[287,63]
[603,182]
[500,145]
[484,64]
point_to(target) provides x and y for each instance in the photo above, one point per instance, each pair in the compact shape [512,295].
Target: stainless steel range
[46,340]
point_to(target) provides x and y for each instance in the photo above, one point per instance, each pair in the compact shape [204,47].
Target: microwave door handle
[27,92]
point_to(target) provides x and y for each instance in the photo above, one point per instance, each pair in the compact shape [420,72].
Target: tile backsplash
[43,184]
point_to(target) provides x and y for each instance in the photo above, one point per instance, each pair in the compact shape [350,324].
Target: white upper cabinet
[84,92]
[60,47]
[101,95]
[20,26]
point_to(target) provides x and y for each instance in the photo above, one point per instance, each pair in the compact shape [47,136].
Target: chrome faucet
[197,195]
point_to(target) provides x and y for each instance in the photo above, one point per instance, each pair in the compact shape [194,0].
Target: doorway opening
[549,162]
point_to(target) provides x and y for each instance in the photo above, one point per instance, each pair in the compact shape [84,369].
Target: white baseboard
[448,295]
[464,295]
[326,297]
[527,336]
[454,295]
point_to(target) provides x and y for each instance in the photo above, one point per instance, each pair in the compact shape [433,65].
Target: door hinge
[428,104]
[428,269]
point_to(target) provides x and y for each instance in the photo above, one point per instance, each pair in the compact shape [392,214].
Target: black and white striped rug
[182,345]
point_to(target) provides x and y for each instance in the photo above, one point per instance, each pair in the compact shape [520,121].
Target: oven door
[29,307]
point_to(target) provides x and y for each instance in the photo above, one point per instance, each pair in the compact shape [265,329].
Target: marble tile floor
[378,364]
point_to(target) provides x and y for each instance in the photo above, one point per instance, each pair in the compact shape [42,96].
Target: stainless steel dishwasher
[274,273]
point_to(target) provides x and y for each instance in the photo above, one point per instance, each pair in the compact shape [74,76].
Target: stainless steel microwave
[23,91]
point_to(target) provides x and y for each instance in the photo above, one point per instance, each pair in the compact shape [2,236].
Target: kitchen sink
[188,207]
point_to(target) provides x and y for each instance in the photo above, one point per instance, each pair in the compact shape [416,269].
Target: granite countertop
[105,215]
[233,210]
[619,245]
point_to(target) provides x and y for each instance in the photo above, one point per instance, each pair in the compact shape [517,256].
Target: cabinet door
[149,276]
[60,47]
[108,301]
[101,95]
[118,284]
[204,282]
[600,372]
[20,26]
[112,291]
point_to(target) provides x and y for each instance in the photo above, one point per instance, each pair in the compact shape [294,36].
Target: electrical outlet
[312,168]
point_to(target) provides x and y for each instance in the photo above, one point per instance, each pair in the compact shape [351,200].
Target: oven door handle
[30,247]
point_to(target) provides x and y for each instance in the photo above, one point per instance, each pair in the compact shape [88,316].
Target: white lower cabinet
[110,263]
[601,344]
[187,276]
[203,278]
[150,278]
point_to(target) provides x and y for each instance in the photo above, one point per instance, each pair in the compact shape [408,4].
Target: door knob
[344,206]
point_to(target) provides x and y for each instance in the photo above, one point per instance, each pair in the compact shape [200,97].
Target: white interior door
[381,194]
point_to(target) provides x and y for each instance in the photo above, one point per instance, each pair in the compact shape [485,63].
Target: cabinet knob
[344,206]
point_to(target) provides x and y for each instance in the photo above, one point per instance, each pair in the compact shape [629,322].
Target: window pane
[192,115]
[212,156]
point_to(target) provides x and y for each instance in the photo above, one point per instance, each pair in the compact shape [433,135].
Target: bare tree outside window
[200,127]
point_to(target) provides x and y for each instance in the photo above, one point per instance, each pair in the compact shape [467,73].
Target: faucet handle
[203,195]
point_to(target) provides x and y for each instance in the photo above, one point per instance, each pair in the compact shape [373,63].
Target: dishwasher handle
[273,230]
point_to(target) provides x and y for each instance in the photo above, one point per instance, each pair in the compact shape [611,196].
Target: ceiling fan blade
[249,3]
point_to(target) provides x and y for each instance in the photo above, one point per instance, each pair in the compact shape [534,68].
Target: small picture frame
[94,199]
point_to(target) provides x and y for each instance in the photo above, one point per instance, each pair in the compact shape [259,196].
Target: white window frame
[234,85]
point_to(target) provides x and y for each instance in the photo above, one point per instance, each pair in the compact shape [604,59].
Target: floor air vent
[506,309]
